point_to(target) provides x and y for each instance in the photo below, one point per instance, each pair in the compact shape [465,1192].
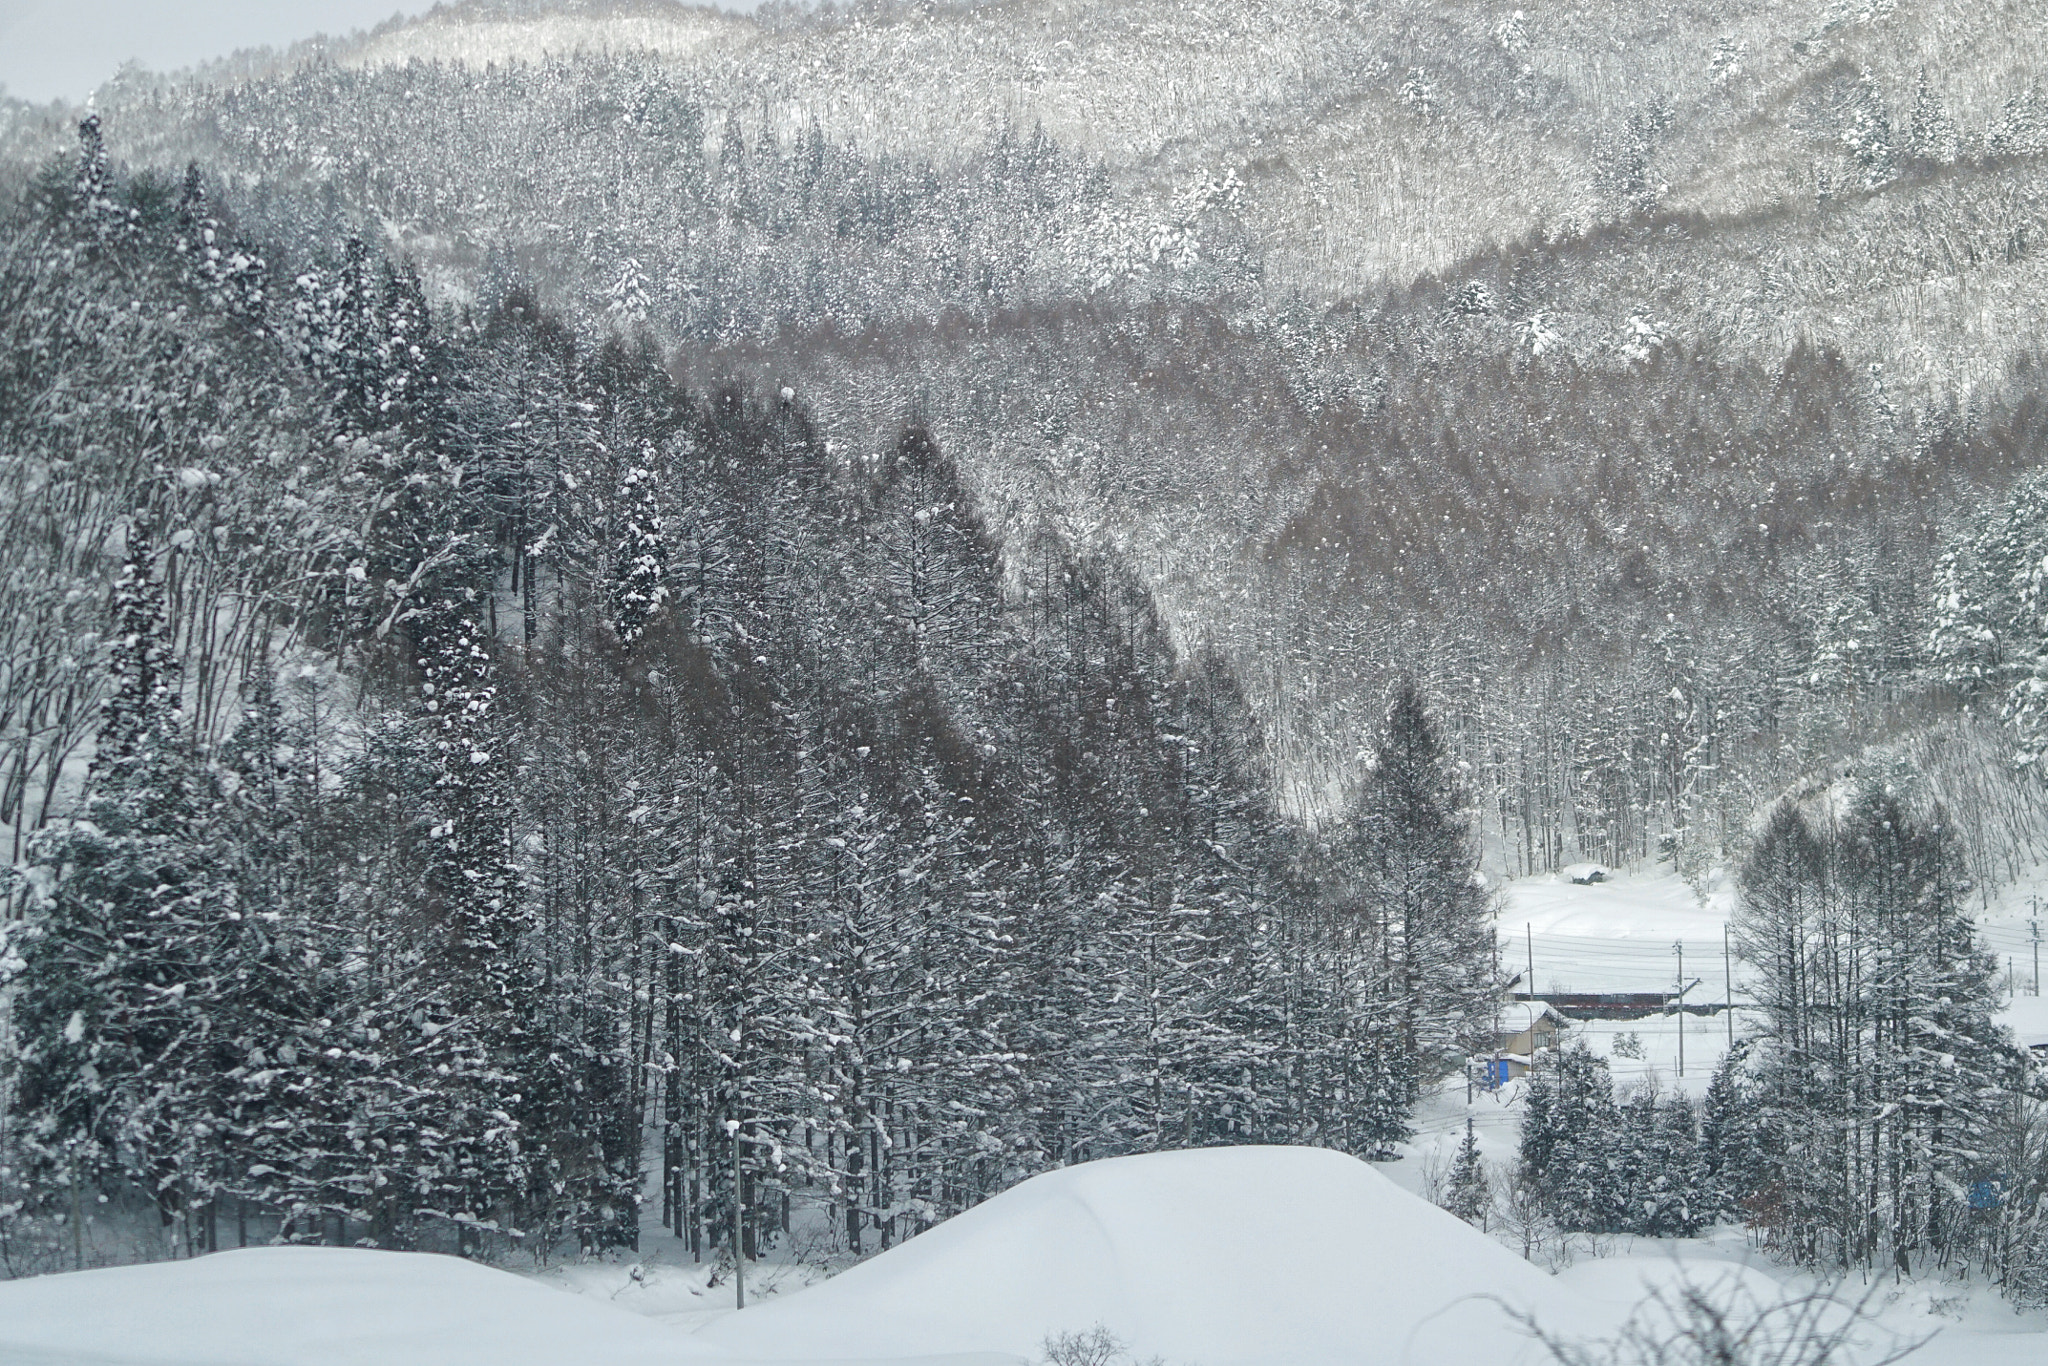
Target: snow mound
[1216,1257]
[315,1306]
[1222,1256]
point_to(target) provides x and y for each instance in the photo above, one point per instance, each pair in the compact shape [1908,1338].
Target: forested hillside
[493,749]
[1577,350]
[925,591]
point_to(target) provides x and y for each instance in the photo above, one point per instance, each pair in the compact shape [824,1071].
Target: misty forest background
[959,589]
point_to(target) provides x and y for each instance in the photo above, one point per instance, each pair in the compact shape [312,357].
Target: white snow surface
[1222,1256]
[1216,1257]
[1655,906]
[1615,935]
[319,1306]
[2027,1017]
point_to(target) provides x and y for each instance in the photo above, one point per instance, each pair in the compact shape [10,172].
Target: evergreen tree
[1931,133]
[1990,592]
[1570,1143]
[1734,1148]
[641,575]
[1467,1193]
[138,971]
[1867,133]
[92,190]
[475,991]
[1416,867]
[1661,1180]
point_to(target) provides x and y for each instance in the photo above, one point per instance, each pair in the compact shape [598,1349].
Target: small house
[1525,1027]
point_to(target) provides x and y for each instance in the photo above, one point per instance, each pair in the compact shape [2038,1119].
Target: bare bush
[1723,1324]
[1095,1346]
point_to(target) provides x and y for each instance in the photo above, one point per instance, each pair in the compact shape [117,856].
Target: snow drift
[1220,1256]
[317,1306]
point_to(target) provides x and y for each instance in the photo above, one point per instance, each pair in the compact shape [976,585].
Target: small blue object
[1497,1073]
[1988,1193]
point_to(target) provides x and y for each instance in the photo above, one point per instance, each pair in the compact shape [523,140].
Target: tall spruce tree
[1416,866]
[1662,1185]
[138,967]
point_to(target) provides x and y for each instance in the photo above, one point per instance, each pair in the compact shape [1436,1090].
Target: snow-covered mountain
[906,595]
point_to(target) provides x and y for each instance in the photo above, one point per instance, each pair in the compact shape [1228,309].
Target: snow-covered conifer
[1570,1151]
[1467,1192]
[1418,885]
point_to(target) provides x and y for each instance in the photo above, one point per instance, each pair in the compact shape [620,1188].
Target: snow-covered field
[1222,1257]
[1255,1256]
[332,1306]
[1620,936]
[1218,1257]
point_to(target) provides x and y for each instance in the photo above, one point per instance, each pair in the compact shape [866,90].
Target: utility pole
[739,1252]
[77,1220]
[2034,926]
[1728,976]
[1679,949]
[1500,1004]
[1529,938]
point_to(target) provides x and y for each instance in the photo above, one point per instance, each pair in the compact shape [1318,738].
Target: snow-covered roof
[2027,1017]
[1516,1016]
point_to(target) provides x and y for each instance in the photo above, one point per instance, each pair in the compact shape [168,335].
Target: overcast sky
[52,49]
[63,49]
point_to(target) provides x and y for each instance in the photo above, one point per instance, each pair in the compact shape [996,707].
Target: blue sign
[1988,1193]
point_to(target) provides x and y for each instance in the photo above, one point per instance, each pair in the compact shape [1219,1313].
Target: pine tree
[1418,886]
[291,1099]
[1867,133]
[1734,1148]
[1931,134]
[475,990]
[93,185]
[1570,1143]
[1661,1182]
[198,241]
[1467,1192]
[640,577]
[1990,592]
[137,966]
[626,303]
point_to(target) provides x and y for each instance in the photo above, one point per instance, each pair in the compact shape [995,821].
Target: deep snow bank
[1221,1256]
[315,1306]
